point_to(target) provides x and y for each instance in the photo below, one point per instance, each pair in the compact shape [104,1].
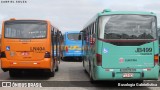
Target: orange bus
[28,45]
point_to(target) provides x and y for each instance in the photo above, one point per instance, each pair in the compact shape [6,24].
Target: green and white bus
[121,45]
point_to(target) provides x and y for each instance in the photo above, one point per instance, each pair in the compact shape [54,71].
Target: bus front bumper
[116,74]
[17,64]
[72,54]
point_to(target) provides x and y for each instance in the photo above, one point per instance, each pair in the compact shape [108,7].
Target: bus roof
[109,12]
[13,19]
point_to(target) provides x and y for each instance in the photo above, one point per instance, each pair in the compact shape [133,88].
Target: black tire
[139,81]
[80,59]
[57,68]
[90,76]
[61,58]
[13,73]
[52,73]
[85,71]
[64,58]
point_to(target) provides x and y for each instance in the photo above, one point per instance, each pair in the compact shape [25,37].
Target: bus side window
[56,42]
[87,35]
[90,29]
[84,34]
[94,28]
[93,34]
[52,36]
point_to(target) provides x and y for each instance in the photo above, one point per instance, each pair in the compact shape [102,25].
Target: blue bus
[72,46]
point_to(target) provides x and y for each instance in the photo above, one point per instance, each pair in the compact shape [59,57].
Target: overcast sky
[72,15]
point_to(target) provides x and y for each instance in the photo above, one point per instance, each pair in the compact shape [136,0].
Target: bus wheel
[61,58]
[139,81]
[52,73]
[90,76]
[64,58]
[57,68]
[13,73]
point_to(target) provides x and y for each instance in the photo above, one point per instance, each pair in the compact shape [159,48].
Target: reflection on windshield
[25,30]
[73,36]
[127,27]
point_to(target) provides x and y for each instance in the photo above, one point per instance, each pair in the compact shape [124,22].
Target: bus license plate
[127,75]
[24,53]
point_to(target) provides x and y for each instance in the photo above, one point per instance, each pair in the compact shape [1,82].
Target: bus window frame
[70,39]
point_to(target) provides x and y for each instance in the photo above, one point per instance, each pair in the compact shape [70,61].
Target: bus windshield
[73,36]
[127,27]
[25,30]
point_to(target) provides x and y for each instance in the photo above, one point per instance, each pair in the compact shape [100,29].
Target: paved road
[68,71]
